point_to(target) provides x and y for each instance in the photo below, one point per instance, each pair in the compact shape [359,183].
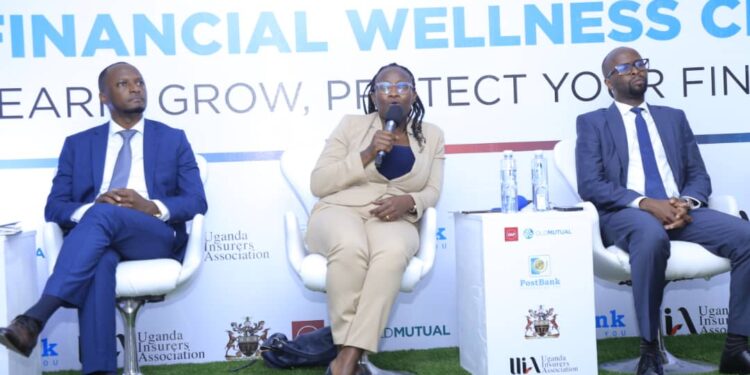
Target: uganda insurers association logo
[170,346]
[709,319]
[231,246]
[541,365]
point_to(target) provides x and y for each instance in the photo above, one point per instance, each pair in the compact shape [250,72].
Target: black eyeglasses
[621,69]
[401,87]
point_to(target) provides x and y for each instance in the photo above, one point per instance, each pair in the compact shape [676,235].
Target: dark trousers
[84,275]
[643,236]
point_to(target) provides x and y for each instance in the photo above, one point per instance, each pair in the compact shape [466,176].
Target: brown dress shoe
[21,335]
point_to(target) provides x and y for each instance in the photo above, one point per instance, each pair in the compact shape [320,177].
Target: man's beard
[638,92]
[135,111]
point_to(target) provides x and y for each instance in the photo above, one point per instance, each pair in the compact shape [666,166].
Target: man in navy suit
[123,191]
[639,164]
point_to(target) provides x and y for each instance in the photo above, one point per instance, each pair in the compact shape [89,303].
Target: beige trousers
[366,261]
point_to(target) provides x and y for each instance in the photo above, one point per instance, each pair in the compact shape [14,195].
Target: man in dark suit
[639,164]
[123,191]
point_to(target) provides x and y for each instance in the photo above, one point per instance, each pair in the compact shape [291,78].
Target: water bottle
[508,187]
[539,185]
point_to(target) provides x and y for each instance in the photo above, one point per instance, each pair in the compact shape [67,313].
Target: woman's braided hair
[417,108]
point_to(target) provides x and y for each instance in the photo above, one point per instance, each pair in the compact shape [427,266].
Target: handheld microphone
[392,118]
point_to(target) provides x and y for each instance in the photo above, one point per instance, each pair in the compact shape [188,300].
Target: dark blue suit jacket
[172,176]
[602,157]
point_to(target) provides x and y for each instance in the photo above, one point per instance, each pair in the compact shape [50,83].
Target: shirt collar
[625,108]
[114,127]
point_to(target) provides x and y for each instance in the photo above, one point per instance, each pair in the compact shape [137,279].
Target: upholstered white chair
[141,281]
[687,260]
[296,166]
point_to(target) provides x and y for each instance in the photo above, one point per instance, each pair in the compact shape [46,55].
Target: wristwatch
[413,210]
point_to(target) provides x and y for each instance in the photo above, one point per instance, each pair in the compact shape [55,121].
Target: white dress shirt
[137,178]
[636,176]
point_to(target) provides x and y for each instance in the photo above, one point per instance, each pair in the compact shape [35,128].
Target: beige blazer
[339,177]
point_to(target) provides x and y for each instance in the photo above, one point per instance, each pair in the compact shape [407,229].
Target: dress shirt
[137,178]
[636,176]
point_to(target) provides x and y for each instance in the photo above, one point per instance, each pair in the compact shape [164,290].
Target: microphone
[392,117]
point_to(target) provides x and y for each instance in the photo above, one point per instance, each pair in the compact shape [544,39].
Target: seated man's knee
[654,239]
[743,233]
[741,244]
[99,211]
[109,260]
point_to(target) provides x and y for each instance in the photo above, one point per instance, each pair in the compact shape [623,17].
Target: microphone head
[395,112]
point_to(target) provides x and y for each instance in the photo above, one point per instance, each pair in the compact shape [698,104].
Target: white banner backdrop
[248,79]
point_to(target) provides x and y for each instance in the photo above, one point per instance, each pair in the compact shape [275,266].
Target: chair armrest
[52,238]
[427,239]
[194,249]
[609,263]
[295,244]
[724,203]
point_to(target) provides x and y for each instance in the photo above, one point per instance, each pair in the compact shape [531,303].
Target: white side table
[525,286]
[18,291]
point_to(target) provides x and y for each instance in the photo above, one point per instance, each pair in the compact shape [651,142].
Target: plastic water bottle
[539,184]
[509,186]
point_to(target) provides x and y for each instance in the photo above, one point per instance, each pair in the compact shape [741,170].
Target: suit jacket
[170,169]
[339,177]
[602,157]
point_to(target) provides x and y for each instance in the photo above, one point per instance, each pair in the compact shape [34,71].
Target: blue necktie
[654,184]
[124,158]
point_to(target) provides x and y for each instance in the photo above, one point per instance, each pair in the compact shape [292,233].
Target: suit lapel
[617,129]
[150,152]
[669,143]
[419,156]
[98,154]
[373,123]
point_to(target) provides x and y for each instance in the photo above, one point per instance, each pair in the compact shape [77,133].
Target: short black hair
[103,74]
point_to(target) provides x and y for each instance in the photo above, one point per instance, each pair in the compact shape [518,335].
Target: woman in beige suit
[366,222]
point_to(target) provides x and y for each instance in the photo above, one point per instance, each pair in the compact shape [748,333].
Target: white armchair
[296,166]
[687,260]
[141,281]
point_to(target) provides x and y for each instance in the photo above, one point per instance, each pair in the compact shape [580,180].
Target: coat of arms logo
[541,323]
[245,339]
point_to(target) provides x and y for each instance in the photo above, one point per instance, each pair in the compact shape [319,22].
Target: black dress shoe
[21,335]
[362,369]
[735,363]
[650,364]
